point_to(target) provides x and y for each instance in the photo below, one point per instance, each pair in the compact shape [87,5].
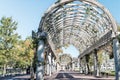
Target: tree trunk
[4,69]
[32,73]
[88,68]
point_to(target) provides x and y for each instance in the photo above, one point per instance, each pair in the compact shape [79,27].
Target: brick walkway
[69,75]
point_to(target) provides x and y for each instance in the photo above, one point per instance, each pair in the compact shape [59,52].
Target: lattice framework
[78,22]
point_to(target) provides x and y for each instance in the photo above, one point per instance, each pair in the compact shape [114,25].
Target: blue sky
[28,14]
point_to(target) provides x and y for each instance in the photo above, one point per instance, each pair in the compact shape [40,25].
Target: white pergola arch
[86,24]
[76,19]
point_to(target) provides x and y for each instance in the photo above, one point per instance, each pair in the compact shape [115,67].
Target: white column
[55,65]
[86,65]
[40,58]
[58,66]
[73,66]
[70,67]
[96,69]
[50,63]
[81,68]
[116,53]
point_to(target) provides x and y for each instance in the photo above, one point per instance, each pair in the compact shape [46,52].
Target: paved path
[18,77]
[69,75]
[62,75]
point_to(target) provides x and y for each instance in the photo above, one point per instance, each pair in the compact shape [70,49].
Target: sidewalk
[62,75]
[17,77]
[70,75]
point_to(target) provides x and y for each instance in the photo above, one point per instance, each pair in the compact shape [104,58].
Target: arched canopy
[78,22]
[65,59]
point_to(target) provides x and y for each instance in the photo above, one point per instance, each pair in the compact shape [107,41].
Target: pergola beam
[104,40]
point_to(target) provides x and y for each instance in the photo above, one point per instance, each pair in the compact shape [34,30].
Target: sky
[29,12]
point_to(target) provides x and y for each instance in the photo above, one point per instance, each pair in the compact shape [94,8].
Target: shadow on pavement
[63,75]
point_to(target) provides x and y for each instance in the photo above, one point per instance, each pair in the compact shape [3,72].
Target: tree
[29,51]
[118,27]
[8,39]
[25,53]
[91,62]
[14,53]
